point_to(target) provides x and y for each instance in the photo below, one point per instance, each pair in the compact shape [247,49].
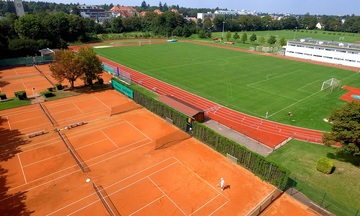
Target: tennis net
[38,69]
[53,122]
[77,158]
[109,205]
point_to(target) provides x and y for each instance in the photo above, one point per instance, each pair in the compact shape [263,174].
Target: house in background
[95,12]
[124,11]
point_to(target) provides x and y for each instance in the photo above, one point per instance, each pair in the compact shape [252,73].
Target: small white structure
[325,51]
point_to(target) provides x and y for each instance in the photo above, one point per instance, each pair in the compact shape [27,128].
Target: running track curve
[269,133]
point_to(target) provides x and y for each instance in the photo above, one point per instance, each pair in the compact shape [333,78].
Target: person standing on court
[222,184]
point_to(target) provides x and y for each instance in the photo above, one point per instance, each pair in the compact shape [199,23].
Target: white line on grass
[294,103]
[275,77]
[299,89]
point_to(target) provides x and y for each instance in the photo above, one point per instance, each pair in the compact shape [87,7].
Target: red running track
[271,134]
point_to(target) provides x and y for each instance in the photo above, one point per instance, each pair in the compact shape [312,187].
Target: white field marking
[27,119]
[272,93]
[306,86]
[22,112]
[55,156]
[138,130]
[121,153]
[7,118]
[201,178]
[29,146]
[22,82]
[77,107]
[116,146]
[22,168]
[167,196]
[219,208]
[44,183]
[102,102]
[93,143]
[294,103]
[106,124]
[267,76]
[94,193]
[150,203]
[275,77]
[205,204]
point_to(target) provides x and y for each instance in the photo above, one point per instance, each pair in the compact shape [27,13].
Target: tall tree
[345,128]
[272,40]
[90,64]
[66,66]
[253,38]
[243,37]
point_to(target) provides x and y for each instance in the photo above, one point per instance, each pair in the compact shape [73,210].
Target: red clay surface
[348,95]
[40,177]
[269,133]
[287,205]
[22,78]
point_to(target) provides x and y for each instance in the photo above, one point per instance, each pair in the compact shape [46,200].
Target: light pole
[222,35]
[268,29]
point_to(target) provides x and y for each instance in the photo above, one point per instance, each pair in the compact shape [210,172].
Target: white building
[325,51]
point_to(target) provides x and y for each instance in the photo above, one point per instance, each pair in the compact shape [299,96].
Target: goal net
[330,84]
[146,42]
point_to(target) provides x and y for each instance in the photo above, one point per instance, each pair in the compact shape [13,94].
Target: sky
[314,7]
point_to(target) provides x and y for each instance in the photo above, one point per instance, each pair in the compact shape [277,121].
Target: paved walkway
[239,138]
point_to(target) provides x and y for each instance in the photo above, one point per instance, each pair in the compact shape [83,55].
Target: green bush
[21,95]
[325,165]
[47,94]
[59,86]
[2,96]
[50,89]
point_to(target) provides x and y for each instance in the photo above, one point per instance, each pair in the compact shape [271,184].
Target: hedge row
[254,162]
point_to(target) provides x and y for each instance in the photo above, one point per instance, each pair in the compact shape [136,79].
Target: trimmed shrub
[47,94]
[2,96]
[325,165]
[100,81]
[50,89]
[59,86]
[21,95]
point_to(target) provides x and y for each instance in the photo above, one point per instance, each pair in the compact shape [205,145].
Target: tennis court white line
[116,146]
[28,189]
[22,170]
[167,196]
[138,130]
[102,102]
[206,204]
[38,145]
[77,107]
[219,208]
[103,126]
[94,193]
[7,117]
[93,143]
[22,82]
[147,205]
[39,161]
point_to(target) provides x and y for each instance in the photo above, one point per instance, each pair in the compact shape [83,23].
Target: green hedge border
[257,164]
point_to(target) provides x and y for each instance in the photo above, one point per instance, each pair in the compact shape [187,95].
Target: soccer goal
[146,42]
[330,84]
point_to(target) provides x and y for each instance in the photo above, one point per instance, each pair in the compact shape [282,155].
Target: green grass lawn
[13,103]
[253,84]
[289,35]
[341,187]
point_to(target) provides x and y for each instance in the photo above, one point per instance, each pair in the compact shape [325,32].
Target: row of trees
[71,66]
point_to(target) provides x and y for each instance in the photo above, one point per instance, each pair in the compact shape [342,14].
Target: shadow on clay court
[11,204]
[227,187]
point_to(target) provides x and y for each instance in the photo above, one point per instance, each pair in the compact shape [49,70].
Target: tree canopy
[345,128]
[70,65]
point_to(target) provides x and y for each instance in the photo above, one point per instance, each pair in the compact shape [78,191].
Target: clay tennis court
[135,177]
[22,78]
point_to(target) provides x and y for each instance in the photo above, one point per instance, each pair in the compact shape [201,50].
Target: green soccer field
[253,84]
